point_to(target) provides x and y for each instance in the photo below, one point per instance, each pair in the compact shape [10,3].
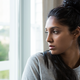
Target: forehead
[50,21]
[53,22]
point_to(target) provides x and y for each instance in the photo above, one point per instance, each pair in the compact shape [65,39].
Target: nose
[49,38]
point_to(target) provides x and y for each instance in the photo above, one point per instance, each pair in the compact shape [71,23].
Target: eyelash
[53,32]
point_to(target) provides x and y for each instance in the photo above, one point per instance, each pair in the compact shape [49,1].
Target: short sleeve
[31,71]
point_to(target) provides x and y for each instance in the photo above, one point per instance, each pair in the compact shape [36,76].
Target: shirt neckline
[77,68]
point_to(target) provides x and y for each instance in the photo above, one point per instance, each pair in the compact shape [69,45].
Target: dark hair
[66,14]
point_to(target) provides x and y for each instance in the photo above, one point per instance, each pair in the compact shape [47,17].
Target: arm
[31,71]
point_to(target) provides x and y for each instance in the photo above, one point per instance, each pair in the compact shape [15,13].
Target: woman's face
[58,36]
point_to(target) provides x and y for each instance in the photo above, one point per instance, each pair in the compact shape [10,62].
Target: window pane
[38,1]
[38,7]
[4,11]
[4,42]
[36,26]
[4,75]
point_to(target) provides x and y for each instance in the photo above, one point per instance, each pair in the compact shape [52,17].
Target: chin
[54,52]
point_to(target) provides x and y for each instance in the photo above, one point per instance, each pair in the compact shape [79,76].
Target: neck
[71,58]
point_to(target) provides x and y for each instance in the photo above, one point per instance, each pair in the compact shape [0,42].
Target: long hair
[66,14]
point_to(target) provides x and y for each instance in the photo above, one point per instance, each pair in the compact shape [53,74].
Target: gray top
[36,69]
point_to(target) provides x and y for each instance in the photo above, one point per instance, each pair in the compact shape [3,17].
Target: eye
[55,32]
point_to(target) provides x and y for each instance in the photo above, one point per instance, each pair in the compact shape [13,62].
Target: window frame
[24,29]
[13,53]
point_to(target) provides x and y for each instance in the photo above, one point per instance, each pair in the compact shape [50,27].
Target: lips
[51,47]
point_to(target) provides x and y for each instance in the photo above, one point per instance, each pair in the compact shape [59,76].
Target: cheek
[63,42]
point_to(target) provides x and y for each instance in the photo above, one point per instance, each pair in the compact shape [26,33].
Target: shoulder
[35,60]
[36,57]
[35,68]
[31,70]
[38,60]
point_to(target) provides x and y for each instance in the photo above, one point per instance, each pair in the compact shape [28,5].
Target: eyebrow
[52,28]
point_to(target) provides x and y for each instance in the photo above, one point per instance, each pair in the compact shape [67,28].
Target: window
[36,26]
[4,39]
[8,40]
[10,23]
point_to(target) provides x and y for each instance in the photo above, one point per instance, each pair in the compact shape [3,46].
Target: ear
[78,30]
[77,33]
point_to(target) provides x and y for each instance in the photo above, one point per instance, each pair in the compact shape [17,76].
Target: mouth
[51,47]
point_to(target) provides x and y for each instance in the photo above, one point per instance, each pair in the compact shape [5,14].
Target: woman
[62,60]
